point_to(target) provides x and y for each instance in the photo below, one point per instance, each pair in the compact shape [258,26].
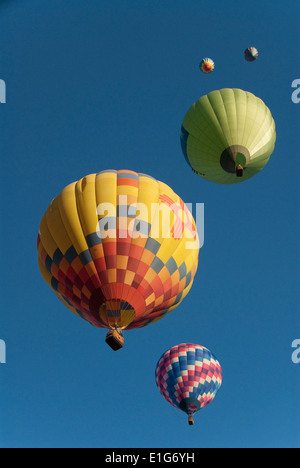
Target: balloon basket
[115,340]
[239,171]
[191,421]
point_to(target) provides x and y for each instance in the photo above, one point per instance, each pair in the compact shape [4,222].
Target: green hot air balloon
[228,136]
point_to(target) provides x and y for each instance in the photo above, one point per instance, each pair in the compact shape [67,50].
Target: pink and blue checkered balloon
[189,377]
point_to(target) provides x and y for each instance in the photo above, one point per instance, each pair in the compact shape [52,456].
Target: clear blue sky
[93,85]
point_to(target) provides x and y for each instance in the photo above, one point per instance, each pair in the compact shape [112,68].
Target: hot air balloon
[251,54]
[119,249]
[188,376]
[207,65]
[228,136]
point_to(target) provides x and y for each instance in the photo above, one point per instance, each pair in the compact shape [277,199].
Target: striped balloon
[188,376]
[228,136]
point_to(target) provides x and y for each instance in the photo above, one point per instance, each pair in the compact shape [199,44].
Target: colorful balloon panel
[118,248]
[188,376]
[225,129]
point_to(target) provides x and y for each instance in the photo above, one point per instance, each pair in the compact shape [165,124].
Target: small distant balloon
[207,65]
[251,54]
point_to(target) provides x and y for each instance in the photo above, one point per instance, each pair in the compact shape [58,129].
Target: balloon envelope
[119,249]
[207,65]
[227,130]
[188,376]
[251,54]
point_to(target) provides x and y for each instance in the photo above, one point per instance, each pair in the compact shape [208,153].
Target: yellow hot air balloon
[228,136]
[207,65]
[119,249]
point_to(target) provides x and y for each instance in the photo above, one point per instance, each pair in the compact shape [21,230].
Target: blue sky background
[93,85]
